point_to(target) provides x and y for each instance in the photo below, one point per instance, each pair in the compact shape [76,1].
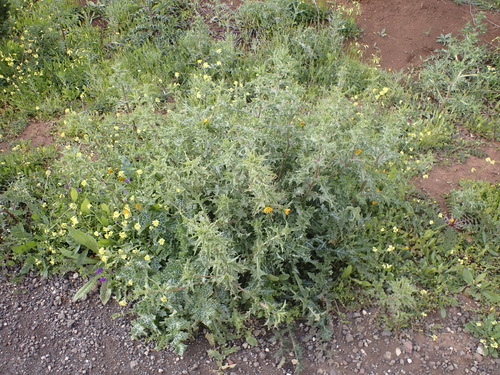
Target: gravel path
[43,332]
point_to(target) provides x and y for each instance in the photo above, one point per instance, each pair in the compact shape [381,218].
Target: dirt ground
[43,332]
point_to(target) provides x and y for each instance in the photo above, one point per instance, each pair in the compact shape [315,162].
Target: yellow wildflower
[268,210]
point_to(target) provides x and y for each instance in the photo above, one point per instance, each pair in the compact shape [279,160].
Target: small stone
[408,347]
[387,355]
[349,338]
[386,333]
[398,352]
[133,364]
[480,350]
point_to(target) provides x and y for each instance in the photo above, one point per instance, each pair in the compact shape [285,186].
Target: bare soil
[43,332]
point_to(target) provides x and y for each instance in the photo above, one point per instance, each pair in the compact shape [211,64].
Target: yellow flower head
[268,210]
[287,211]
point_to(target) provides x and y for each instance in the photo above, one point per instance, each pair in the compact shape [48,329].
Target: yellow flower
[123,235]
[287,211]
[122,303]
[163,299]
[161,241]
[390,248]
[126,213]
[268,210]
[83,183]
[359,151]
[130,283]
[156,223]
[74,220]
[147,258]
[374,249]
[139,172]
[137,226]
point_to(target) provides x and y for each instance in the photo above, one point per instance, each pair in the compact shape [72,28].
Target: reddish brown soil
[445,177]
[37,133]
[403,32]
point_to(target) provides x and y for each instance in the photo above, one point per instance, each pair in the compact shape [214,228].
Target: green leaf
[105,292]
[73,193]
[85,207]
[86,288]
[492,297]
[252,341]
[20,249]
[480,277]
[468,276]
[103,220]
[105,208]
[347,271]
[272,277]
[84,239]
[103,242]
[284,277]
[362,282]
[442,311]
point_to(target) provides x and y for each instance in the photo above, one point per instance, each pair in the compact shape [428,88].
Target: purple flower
[79,190]
[127,180]
[124,191]
[102,279]
[99,270]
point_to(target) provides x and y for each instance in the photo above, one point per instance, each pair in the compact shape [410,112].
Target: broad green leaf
[105,207]
[84,239]
[251,340]
[73,193]
[105,292]
[105,242]
[468,276]
[480,277]
[284,276]
[103,220]
[85,207]
[19,249]
[347,271]
[86,288]
[442,311]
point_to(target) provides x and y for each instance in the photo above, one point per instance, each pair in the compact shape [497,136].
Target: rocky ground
[43,332]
